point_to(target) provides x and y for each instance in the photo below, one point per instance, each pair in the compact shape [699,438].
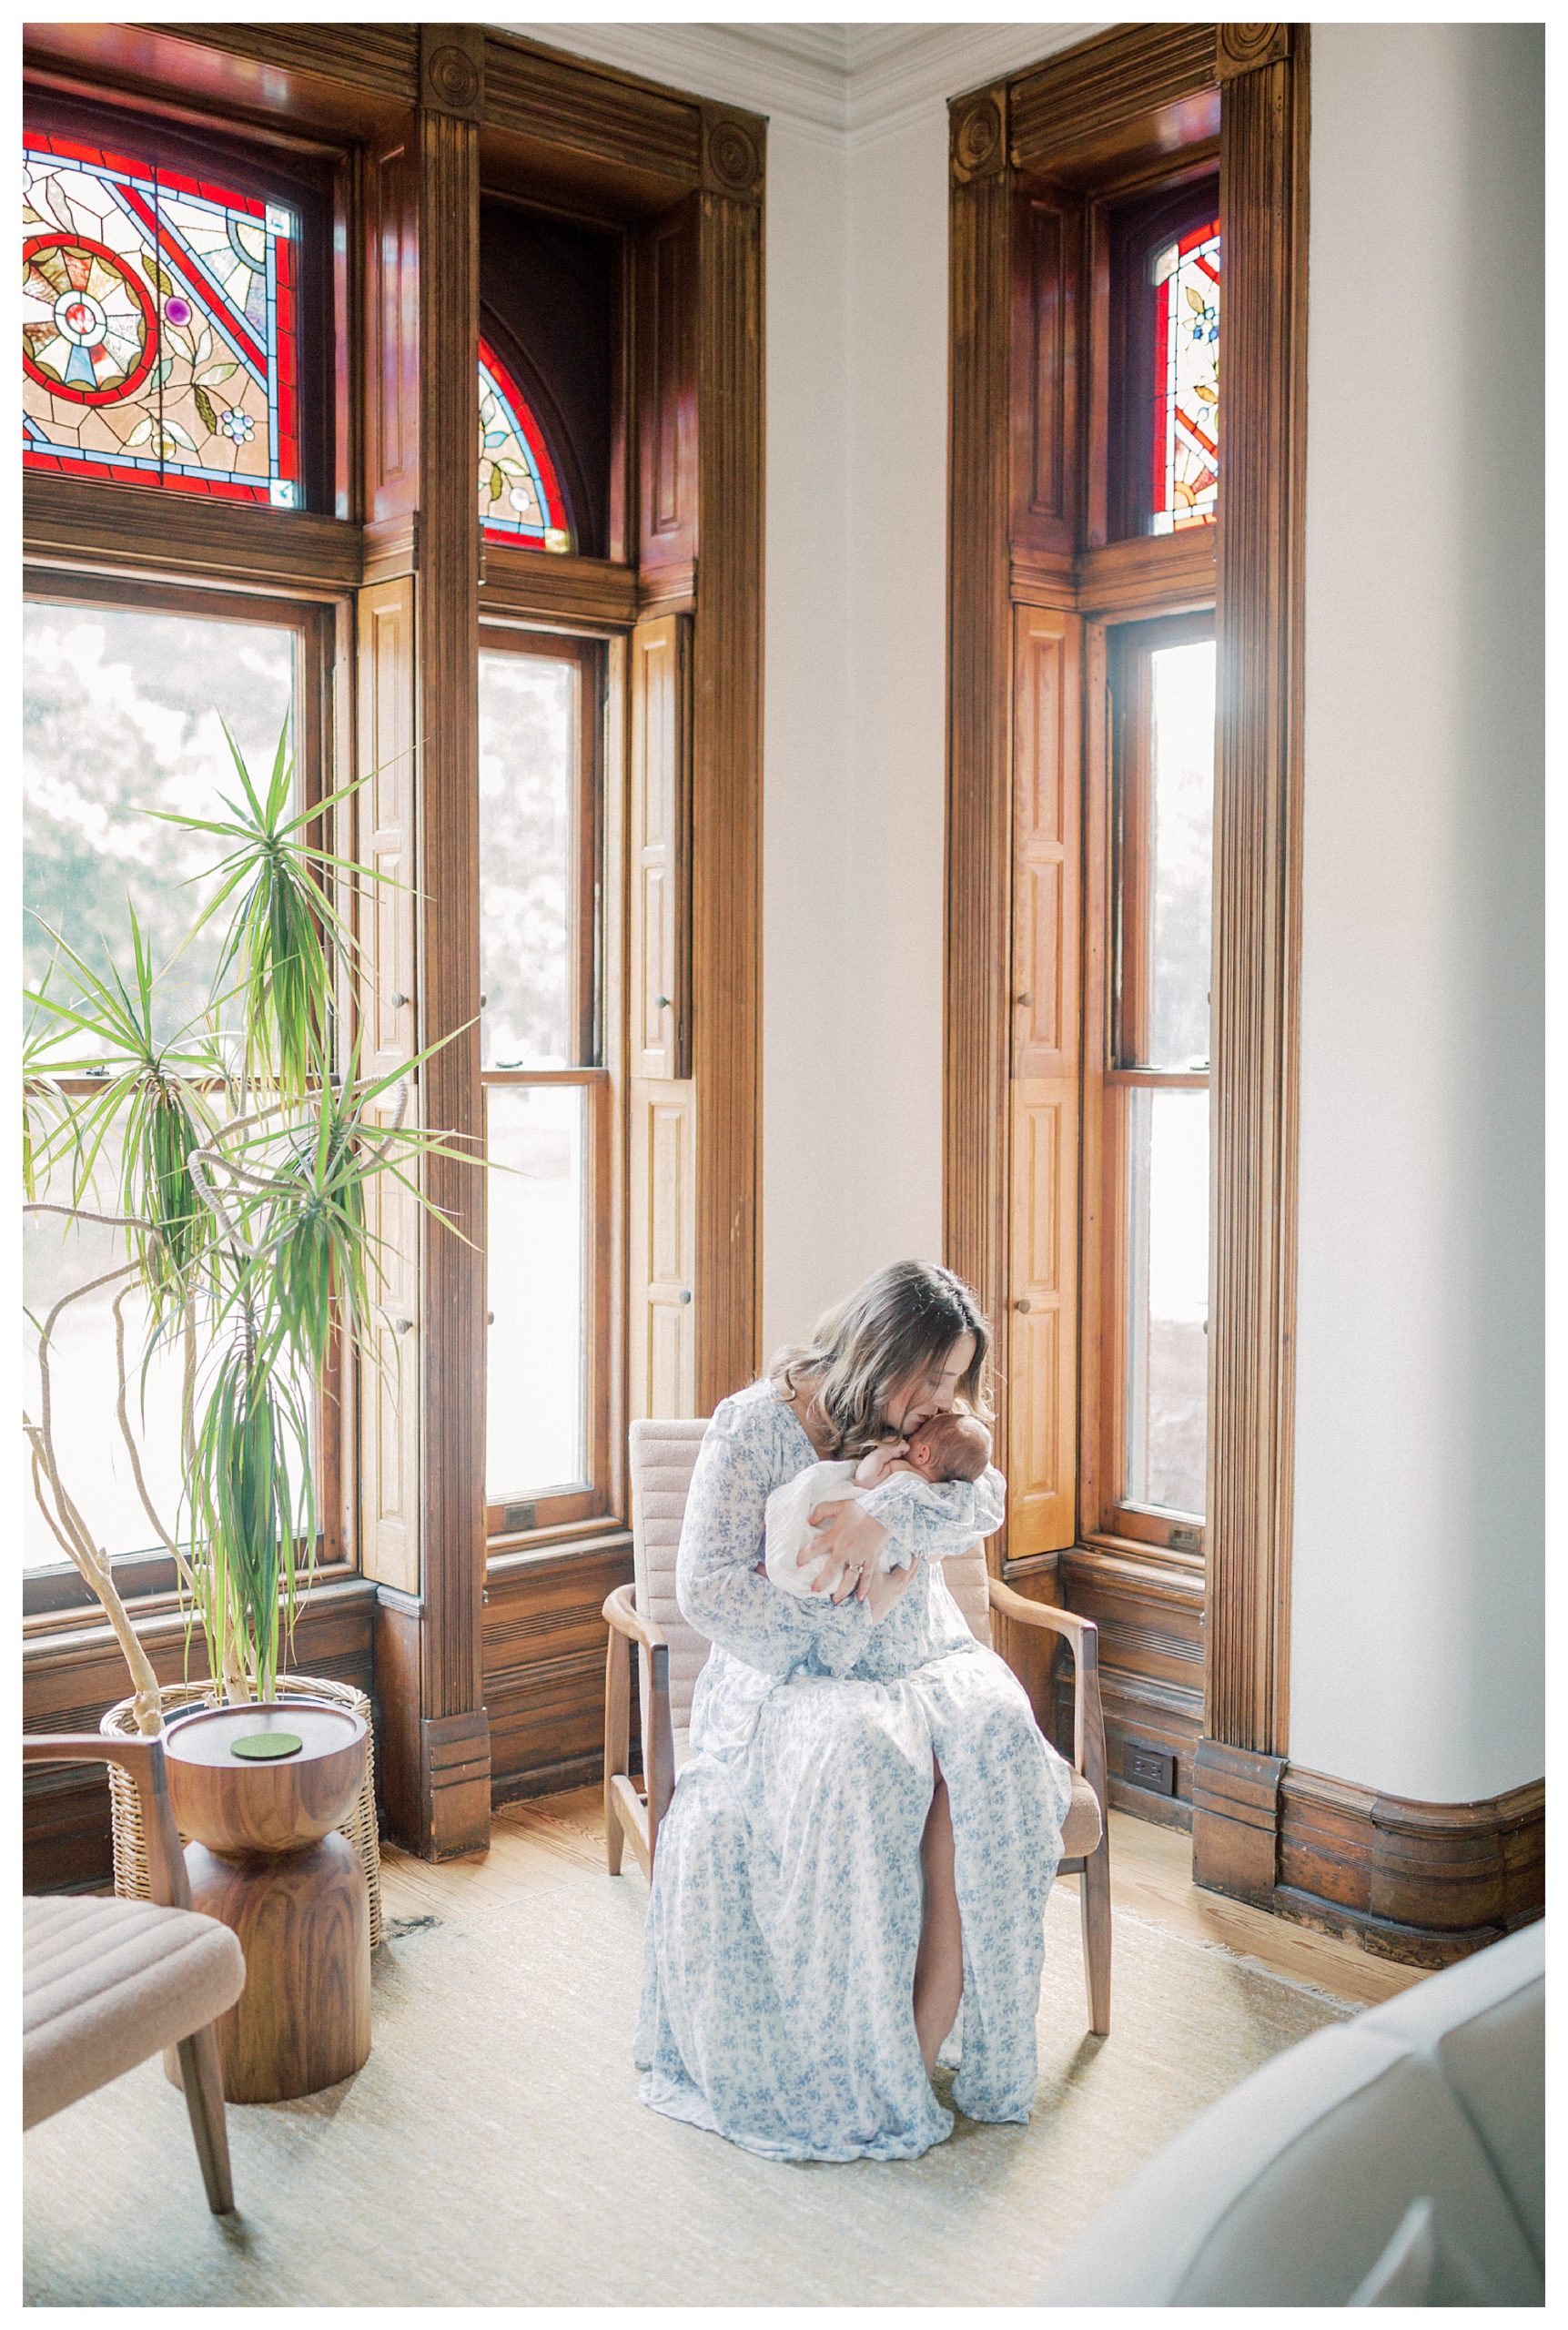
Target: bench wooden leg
[1094,1906]
[201,2076]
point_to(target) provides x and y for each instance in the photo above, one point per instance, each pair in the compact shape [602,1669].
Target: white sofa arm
[1288,2190]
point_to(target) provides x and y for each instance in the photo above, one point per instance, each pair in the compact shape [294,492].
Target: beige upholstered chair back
[663,1455]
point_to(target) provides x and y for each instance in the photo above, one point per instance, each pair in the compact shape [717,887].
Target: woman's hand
[845,1547]
[885,1587]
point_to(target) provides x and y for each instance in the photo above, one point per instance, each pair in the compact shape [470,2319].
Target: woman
[871,1819]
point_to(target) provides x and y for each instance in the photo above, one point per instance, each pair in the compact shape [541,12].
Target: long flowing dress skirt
[786,1912]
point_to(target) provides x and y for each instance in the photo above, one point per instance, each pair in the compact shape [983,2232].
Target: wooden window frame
[1145,97]
[415,123]
[146,1580]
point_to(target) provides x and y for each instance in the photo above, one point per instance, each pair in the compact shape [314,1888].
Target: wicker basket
[131,1882]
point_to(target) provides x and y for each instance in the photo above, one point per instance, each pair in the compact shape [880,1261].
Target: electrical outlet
[1148,1767]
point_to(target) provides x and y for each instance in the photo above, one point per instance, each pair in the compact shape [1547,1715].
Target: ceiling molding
[848,80]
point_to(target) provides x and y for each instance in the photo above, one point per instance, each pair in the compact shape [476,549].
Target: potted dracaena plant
[234,1157]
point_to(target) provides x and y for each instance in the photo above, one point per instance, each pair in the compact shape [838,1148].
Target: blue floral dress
[786,1903]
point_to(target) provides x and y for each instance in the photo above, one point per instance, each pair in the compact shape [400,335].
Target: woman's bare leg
[939,1960]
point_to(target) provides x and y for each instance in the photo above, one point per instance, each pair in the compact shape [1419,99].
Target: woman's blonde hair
[896,1325]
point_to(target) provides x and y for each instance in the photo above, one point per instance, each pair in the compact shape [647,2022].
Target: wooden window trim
[427,116]
[1128,99]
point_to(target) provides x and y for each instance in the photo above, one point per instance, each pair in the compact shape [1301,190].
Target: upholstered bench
[105,1983]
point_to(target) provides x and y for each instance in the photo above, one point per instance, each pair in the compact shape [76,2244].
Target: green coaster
[263,1746]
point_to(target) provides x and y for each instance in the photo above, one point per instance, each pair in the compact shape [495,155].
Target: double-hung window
[547,1089]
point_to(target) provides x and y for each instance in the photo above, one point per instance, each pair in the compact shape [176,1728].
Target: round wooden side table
[266,1859]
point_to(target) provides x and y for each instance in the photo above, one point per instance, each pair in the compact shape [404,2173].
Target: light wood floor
[1151,1875]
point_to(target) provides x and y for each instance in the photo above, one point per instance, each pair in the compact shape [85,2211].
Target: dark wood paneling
[1166,573]
[980,815]
[726,790]
[76,522]
[665,260]
[72,1673]
[391,326]
[452,1378]
[1048,250]
[549,100]
[549,592]
[544,1649]
[1150,1620]
[1142,89]
[342,79]
[1257,914]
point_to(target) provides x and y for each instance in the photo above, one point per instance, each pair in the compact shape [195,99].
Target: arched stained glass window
[158,336]
[1187,379]
[520,496]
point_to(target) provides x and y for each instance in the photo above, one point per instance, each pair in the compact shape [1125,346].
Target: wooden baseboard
[1422,1883]
[549,1779]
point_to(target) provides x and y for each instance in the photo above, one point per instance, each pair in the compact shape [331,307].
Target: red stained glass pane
[155,348]
[520,496]
[1186,434]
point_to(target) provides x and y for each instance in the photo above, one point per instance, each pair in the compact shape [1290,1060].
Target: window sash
[147,1576]
[528,1519]
[1116,1068]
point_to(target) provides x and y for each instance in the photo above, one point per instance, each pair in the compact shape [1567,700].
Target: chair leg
[617,1742]
[1094,1906]
[201,2075]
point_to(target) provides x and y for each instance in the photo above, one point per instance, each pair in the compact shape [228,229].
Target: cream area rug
[492,2150]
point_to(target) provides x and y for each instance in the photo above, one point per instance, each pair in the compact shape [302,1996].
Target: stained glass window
[520,496]
[1186,380]
[159,341]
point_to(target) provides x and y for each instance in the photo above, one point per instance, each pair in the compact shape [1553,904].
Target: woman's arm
[937,1518]
[717,1584]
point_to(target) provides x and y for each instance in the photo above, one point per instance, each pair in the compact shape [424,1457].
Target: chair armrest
[1040,1613]
[621,1610]
[147,1765]
[1089,1715]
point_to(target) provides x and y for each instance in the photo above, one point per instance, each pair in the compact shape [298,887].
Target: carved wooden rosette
[1242,48]
[733,155]
[979,131]
[451,70]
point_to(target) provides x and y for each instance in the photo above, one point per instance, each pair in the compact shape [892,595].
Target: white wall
[809,1054]
[1417,1605]
[853,710]
[1416,1640]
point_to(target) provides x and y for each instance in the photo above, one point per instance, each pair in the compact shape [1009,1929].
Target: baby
[946,1447]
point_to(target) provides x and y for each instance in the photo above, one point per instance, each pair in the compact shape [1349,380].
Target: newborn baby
[946,1447]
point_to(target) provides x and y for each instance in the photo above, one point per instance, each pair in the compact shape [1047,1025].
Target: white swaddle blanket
[790,1536]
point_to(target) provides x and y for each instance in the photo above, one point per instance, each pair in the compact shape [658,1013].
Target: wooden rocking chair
[671,1653]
